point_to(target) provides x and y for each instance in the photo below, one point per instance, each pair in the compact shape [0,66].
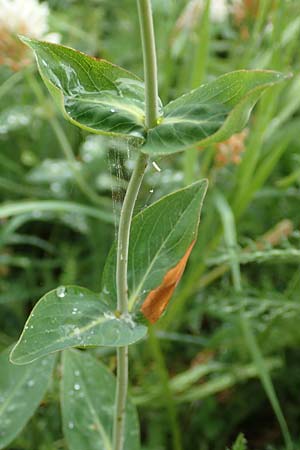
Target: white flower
[24,16]
[219,10]
[27,17]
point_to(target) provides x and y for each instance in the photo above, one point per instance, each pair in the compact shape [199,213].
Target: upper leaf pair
[103,98]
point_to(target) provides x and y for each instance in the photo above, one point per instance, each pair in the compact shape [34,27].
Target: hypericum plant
[152,249]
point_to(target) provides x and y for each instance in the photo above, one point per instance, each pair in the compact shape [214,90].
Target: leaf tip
[12,358]
[25,39]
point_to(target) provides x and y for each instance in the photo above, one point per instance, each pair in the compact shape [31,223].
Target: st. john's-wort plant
[152,248]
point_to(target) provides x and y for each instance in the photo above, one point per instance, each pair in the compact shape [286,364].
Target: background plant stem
[65,146]
[151,115]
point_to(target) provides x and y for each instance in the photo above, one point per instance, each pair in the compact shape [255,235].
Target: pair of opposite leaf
[103,98]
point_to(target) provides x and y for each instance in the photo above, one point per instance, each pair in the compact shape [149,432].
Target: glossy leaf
[160,238]
[93,94]
[88,399]
[211,113]
[21,391]
[73,317]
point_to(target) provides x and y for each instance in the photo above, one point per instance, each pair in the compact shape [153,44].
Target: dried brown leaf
[158,299]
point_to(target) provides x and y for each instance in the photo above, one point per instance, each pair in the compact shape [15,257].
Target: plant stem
[151,115]
[150,65]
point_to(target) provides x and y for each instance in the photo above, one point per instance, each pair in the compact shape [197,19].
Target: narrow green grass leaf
[73,317]
[21,391]
[210,113]
[88,399]
[93,94]
[230,237]
[160,238]
[55,206]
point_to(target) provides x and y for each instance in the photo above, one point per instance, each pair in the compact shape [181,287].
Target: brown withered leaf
[157,300]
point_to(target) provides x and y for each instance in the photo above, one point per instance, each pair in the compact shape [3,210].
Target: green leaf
[21,391]
[88,398]
[160,238]
[210,113]
[93,94]
[73,316]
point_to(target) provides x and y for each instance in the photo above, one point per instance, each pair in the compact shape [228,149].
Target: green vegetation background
[225,358]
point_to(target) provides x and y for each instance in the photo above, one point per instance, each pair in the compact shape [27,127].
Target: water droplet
[127,317]
[31,327]
[61,292]
[74,311]
[71,425]
[156,166]
[106,291]
[30,383]
[151,191]
[136,134]
[76,387]
[76,373]
[112,110]
[109,315]
[77,331]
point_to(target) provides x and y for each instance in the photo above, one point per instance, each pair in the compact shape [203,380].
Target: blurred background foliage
[225,358]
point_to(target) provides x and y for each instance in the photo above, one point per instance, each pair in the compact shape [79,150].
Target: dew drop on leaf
[76,387]
[77,331]
[61,292]
[109,315]
[156,166]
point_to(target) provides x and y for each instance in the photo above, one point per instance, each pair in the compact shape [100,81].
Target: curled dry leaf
[158,299]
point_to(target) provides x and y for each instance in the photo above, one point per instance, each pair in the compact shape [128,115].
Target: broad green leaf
[210,113]
[73,316]
[21,391]
[88,399]
[160,238]
[93,94]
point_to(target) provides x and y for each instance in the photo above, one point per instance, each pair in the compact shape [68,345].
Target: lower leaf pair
[87,400]
[160,245]
[162,237]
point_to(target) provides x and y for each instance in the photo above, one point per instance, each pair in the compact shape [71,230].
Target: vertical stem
[151,115]
[150,65]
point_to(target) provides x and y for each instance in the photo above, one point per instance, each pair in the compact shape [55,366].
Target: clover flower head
[28,17]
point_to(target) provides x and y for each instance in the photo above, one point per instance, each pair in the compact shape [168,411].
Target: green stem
[122,294]
[151,115]
[150,65]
